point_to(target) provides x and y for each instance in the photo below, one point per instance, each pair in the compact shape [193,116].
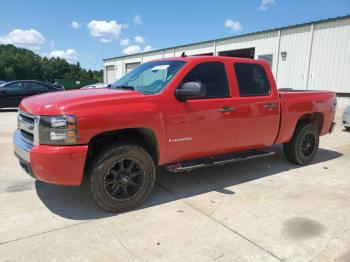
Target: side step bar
[218,160]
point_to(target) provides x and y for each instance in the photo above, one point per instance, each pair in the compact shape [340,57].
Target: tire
[347,128]
[119,169]
[303,146]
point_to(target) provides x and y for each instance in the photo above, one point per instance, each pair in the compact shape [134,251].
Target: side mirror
[190,90]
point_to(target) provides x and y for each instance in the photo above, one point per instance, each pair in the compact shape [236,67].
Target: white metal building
[313,55]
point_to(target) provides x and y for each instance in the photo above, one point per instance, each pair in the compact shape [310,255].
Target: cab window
[37,87]
[213,76]
[13,88]
[252,80]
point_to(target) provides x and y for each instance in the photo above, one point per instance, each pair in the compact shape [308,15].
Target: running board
[219,160]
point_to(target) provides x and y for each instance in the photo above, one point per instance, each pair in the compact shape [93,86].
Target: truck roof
[212,58]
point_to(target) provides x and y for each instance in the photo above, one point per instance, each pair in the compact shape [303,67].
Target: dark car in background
[12,93]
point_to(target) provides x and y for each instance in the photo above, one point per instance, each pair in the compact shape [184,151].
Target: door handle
[226,109]
[270,105]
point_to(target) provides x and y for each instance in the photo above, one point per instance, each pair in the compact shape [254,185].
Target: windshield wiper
[146,93]
[126,87]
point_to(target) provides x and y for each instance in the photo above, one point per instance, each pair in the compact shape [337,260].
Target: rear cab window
[252,80]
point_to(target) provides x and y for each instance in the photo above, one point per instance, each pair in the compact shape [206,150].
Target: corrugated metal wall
[195,49]
[317,55]
[264,44]
[330,57]
[292,71]
[151,56]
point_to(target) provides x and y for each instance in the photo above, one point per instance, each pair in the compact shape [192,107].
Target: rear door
[201,127]
[13,94]
[257,106]
[35,88]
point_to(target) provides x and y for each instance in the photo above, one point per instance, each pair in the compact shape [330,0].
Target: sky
[88,31]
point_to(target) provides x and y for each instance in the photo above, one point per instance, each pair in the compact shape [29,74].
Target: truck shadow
[75,202]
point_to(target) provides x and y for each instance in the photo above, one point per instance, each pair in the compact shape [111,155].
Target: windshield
[151,77]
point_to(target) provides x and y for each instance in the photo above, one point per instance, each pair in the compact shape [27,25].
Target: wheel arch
[316,118]
[144,137]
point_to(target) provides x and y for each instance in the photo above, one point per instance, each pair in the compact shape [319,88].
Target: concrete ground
[259,210]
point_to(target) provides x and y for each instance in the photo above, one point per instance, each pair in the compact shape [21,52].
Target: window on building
[268,58]
[131,66]
[213,76]
[252,80]
[110,67]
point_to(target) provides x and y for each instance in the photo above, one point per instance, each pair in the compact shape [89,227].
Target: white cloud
[147,48]
[125,42]
[265,4]
[131,49]
[30,39]
[234,26]
[105,40]
[125,26]
[139,39]
[75,25]
[137,19]
[104,28]
[70,55]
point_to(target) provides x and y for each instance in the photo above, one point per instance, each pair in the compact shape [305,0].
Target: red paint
[62,165]
[250,126]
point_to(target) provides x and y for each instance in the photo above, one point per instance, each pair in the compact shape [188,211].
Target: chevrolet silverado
[181,113]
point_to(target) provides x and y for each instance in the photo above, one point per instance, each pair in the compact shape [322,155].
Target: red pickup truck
[181,113]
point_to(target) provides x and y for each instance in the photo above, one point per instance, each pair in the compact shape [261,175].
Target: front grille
[26,126]
[26,136]
[27,118]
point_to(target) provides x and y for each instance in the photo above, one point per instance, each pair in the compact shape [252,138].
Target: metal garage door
[110,74]
[131,66]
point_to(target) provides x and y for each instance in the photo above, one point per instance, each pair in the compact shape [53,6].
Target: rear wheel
[303,146]
[347,128]
[122,177]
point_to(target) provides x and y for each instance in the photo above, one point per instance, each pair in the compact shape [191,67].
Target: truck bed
[303,103]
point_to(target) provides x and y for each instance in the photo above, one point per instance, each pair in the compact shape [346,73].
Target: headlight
[58,130]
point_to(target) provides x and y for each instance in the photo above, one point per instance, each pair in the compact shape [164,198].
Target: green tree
[22,64]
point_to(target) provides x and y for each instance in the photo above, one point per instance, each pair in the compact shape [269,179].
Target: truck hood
[68,102]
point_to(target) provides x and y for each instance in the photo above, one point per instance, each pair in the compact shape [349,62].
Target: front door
[35,88]
[201,127]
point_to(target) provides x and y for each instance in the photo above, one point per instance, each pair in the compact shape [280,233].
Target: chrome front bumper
[22,152]
[21,148]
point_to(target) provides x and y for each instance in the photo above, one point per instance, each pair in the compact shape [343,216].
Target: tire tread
[98,162]
[291,148]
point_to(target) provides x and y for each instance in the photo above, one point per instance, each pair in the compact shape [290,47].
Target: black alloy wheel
[308,144]
[121,177]
[303,146]
[124,179]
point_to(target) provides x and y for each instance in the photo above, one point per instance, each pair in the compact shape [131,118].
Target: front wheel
[121,177]
[303,146]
